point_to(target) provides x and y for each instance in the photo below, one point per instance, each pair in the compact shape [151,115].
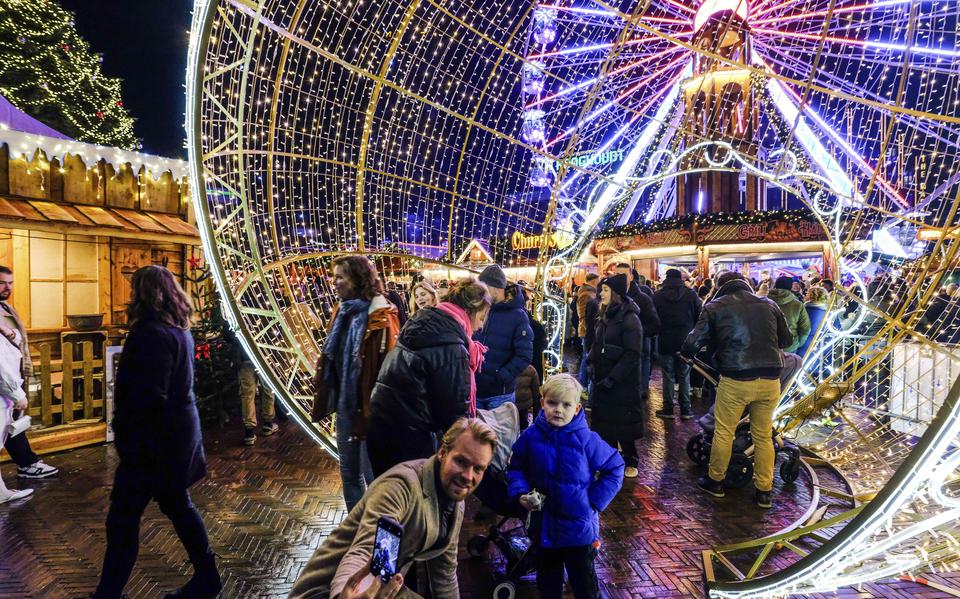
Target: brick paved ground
[268,507]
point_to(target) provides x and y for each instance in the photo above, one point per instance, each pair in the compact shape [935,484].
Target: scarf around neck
[475,348]
[342,349]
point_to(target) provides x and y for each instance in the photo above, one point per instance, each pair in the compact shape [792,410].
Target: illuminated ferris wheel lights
[534,129]
[867,44]
[822,13]
[599,111]
[544,26]
[533,77]
[568,90]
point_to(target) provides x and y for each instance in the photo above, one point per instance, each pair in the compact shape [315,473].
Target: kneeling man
[426,497]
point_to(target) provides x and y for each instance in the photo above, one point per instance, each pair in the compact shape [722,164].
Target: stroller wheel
[790,470]
[505,590]
[477,546]
[740,471]
[698,450]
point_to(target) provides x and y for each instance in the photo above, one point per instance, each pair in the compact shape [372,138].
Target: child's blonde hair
[562,386]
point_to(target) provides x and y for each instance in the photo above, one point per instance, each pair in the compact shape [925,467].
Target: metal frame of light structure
[202,20]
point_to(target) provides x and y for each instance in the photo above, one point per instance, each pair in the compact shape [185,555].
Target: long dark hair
[363,275]
[155,292]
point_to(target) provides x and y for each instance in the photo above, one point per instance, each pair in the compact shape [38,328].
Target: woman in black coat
[157,435]
[615,357]
[427,381]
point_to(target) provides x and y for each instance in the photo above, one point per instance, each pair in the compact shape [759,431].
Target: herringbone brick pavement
[268,507]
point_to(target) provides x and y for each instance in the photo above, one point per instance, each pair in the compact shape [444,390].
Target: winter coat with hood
[797,318]
[575,469]
[743,332]
[528,389]
[648,312]
[424,384]
[509,340]
[615,357]
[678,307]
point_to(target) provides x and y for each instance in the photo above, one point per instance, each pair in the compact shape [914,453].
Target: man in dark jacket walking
[648,318]
[509,341]
[679,308]
[746,334]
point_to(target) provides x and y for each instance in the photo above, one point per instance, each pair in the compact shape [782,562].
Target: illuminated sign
[599,158]
[555,240]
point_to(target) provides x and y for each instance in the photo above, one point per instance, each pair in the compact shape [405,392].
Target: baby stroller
[740,470]
[510,538]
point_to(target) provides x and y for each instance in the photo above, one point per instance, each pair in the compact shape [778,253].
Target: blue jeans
[490,403]
[645,365]
[582,373]
[355,471]
[675,370]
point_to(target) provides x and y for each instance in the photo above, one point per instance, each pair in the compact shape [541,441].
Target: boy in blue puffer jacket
[579,475]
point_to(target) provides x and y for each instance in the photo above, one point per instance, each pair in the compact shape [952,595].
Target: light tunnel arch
[317,129]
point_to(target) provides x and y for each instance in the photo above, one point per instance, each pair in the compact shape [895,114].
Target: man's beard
[4,296]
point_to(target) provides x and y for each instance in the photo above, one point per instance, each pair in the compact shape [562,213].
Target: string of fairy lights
[405,130]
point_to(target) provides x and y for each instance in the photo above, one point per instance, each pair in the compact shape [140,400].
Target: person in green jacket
[793,312]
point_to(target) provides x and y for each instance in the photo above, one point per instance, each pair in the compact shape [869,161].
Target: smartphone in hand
[386,548]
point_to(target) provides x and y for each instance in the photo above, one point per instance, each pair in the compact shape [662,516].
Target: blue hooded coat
[509,341]
[577,472]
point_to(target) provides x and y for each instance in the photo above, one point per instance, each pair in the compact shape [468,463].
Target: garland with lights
[48,71]
[869,220]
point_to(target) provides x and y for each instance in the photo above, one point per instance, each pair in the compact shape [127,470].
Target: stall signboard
[555,240]
[696,233]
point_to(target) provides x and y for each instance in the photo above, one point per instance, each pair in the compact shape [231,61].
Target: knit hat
[673,273]
[493,276]
[617,284]
[784,282]
[727,276]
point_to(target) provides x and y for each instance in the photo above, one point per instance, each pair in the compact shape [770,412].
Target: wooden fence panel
[46,389]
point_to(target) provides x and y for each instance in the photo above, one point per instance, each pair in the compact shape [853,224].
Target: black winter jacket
[678,307]
[615,357]
[744,332]
[648,313]
[424,383]
[155,416]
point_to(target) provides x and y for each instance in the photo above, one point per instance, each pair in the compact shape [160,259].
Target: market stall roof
[24,135]
[13,118]
[105,221]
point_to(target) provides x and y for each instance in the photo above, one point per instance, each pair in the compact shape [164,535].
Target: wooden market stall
[76,220]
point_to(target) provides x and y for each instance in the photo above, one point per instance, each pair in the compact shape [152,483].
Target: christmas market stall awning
[79,219]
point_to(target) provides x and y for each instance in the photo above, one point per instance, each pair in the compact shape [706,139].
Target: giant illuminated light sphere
[413,131]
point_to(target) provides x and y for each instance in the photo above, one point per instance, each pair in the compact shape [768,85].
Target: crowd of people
[437,396]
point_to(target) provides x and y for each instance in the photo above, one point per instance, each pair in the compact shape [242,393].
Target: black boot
[205,583]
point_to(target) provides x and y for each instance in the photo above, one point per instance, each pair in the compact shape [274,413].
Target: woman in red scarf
[428,380]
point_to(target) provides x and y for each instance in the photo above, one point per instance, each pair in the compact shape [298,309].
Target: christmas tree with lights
[48,71]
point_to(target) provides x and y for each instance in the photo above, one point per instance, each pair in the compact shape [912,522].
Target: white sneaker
[631,472]
[11,495]
[37,470]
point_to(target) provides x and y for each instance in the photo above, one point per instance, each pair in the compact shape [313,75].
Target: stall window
[63,278]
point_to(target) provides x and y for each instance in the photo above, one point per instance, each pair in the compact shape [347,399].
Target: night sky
[144,43]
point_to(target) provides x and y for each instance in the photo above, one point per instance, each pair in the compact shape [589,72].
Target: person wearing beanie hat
[495,279]
[679,308]
[797,318]
[508,337]
[617,284]
[615,356]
